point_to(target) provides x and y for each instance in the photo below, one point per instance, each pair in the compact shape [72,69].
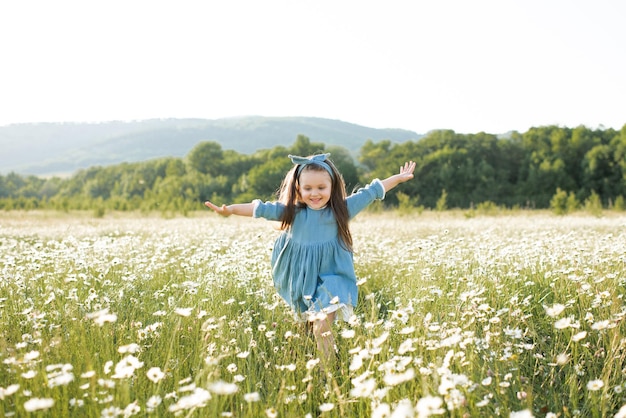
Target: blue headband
[318,160]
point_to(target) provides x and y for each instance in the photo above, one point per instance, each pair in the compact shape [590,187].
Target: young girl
[312,263]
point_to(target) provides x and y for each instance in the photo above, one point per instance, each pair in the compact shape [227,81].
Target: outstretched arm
[405,174]
[241,209]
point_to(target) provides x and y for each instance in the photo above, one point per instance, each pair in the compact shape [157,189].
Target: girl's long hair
[289,196]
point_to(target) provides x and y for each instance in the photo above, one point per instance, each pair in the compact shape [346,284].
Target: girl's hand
[406,172]
[221,210]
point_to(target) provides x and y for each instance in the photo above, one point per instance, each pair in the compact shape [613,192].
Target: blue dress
[311,269]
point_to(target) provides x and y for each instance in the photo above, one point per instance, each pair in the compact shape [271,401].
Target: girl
[312,263]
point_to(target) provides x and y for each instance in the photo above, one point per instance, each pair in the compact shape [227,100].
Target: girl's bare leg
[325,340]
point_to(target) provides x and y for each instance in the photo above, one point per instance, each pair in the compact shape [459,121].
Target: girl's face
[314,188]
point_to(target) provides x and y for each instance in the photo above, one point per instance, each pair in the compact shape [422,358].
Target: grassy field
[514,315]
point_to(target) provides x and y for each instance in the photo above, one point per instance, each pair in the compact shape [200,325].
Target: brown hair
[290,197]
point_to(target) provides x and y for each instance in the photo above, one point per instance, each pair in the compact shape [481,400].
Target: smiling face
[314,187]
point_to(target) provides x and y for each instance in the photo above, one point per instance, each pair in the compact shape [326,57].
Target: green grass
[452,309]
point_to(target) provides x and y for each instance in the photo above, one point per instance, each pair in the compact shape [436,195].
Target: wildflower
[483,402]
[232,368]
[394,379]
[129,349]
[155,374]
[429,405]
[126,367]
[187,388]
[563,323]
[407,330]
[271,413]
[363,389]
[223,388]
[79,403]
[562,359]
[10,390]
[356,363]
[381,411]
[32,355]
[522,414]
[252,397]
[183,311]
[513,332]
[312,363]
[406,346]
[325,407]
[554,310]
[29,374]
[107,367]
[111,412]
[621,413]
[131,409]
[354,321]
[197,399]
[88,374]
[60,379]
[153,402]
[102,317]
[486,381]
[579,336]
[400,316]
[107,384]
[348,333]
[243,354]
[594,385]
[600,325]
[377,342]
[404,409]
[38,404]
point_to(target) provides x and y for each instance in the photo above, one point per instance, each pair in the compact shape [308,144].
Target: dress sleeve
[360,199]
[271,211]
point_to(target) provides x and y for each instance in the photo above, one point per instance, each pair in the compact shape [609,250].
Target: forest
[532,170]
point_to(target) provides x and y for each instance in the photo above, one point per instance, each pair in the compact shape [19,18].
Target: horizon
[599,127]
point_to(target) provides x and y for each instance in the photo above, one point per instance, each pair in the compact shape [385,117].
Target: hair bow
[319,159]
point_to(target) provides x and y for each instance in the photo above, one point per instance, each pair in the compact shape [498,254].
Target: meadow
[513,315]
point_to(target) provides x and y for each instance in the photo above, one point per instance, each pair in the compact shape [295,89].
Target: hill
[45,149]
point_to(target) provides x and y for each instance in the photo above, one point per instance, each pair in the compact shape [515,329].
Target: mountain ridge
[46,149]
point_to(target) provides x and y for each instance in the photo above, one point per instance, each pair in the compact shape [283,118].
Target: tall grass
[518,315]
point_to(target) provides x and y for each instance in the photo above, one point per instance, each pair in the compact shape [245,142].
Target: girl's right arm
[241,209]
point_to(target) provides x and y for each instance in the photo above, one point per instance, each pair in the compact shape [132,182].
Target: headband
[318,160]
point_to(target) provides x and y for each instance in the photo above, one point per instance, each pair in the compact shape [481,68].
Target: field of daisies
[514,315]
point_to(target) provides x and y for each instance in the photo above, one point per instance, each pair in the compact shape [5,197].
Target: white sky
[467,65]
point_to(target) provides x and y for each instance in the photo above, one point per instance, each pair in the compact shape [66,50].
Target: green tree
[558,203]
[304,147]
[344,162]
[373,154]
[206,157]
[442,202]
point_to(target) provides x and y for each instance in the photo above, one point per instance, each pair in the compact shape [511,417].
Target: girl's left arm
[405,174]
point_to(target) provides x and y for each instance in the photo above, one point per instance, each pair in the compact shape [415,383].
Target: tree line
[525,170]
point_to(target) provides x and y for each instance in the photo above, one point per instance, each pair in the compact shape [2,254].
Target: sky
[470,66]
